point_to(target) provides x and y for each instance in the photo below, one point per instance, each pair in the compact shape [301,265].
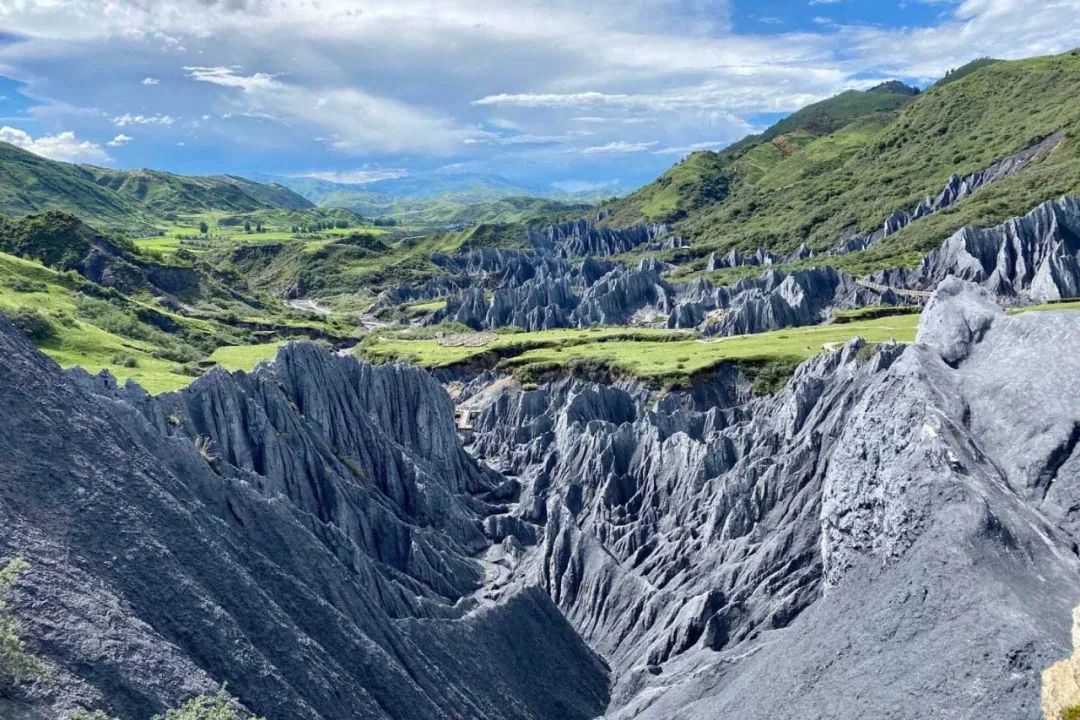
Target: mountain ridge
[30,183]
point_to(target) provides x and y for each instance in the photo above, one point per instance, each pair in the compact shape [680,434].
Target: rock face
[305,533]
[603,293]
[891,535]
[1036,256]
[582,237]
[804,555]
[1061,681]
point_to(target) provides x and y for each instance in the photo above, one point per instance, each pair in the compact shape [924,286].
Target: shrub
[35,324]
[25,285]
[16,665]
[124,360]
[220,706]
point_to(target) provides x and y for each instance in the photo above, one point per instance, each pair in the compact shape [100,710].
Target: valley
[790,431]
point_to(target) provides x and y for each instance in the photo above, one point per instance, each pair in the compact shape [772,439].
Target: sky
[558,94]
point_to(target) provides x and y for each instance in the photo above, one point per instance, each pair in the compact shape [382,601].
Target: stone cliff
[891,535]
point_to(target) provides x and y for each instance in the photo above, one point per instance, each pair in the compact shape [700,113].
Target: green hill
[966,69]
[821,187]
[161,192]
[705,178]
[30,183]
[127,198]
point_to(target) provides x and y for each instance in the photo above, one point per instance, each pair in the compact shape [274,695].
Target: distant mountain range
[441,198]
[30,183]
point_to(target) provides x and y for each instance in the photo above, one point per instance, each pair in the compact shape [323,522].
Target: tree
[247,226]
[258,228]
[204,228]
[220,706]
[16,665]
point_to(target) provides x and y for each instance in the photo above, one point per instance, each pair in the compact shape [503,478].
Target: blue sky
[552,93]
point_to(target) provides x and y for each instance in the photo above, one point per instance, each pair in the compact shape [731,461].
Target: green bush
[1071,713]
[124,360]
[16,665]
[220,706]
[25,285]
[35,324]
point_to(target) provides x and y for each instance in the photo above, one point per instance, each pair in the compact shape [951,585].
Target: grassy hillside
[446,211]
[705,178]
[99,303]
[30,183]
[130,199]
[967,69]
[482,205]
[830,186]
[699,180]
[854,178]
[161,193]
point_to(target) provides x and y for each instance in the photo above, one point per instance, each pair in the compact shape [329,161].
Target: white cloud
[130,119]
[150,81]
[723,95]
[686,149]
[120,140]
[617,147]
[356,177]
[487,81]
[584,186]
[62,146]
[356,121]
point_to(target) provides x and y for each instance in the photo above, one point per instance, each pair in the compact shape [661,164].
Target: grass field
[185,233]
[656,355]
[421,348]
[646,354]
[72,339]
[245,357]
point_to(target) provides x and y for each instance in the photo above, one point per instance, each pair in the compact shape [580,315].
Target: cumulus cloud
[484,81]
[356,121]
[686,149]
[120,140]
[150,81]
[62,146]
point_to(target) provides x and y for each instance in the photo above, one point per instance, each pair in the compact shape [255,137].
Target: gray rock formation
[602,293]
[1035,257]
[772,301]
[761,256]
[305,533]
[578,238]
[894,534]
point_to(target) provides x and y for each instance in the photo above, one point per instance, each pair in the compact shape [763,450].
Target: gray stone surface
[1034,257]
[582,237]
[893,535]
[317,556]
